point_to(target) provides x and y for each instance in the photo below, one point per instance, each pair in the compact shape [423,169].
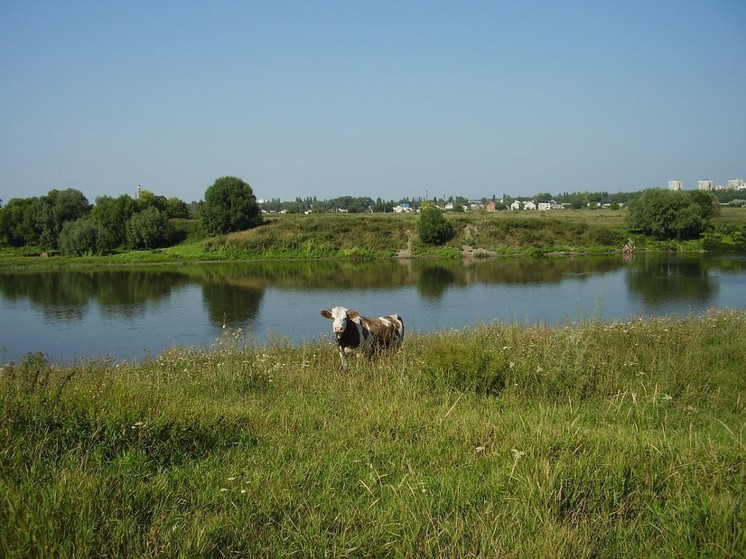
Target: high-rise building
[675,185]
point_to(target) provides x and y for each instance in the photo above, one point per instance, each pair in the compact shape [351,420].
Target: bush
[432,227]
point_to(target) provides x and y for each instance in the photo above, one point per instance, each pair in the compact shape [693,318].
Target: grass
[502,440]
[371,236]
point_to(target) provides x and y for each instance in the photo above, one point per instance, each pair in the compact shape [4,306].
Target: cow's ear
[326,314]
[352,314]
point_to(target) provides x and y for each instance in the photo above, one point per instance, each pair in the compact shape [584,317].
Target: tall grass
[586,440]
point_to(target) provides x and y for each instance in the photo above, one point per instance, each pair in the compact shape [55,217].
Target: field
[587,440]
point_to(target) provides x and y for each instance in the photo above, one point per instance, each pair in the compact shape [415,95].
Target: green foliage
[113,214]
[54,210]
[725,239]
[18,223]
[230,205]
[432,227]
[82,236]
[149,229]
[666,214]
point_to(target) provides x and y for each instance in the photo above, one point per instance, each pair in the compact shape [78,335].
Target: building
[706,184]
[738,184]
[675,185]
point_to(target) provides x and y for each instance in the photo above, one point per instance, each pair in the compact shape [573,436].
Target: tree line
[64,220]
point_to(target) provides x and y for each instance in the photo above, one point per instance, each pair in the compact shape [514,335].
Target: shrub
[432,227]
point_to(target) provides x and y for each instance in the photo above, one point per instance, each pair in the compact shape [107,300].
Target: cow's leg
[343,357]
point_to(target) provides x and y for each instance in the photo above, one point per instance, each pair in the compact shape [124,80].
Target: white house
[545,206]
[515,205]
[529,205]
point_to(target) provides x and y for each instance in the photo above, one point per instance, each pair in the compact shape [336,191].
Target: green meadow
[502,440]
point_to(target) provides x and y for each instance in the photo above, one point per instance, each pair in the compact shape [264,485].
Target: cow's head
[339,317]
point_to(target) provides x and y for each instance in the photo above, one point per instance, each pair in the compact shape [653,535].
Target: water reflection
[658,282]
[233,307]
[236,294]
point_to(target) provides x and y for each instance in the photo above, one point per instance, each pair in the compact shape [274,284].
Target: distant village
[728,194]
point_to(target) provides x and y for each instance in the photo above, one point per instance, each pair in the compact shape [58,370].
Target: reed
[500,440]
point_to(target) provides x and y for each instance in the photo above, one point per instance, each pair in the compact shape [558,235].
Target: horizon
[403,99]
[439,197]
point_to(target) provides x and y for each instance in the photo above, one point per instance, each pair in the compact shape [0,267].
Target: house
[515,205]
[491,207]
[403,208]
[545,206]
[530,205]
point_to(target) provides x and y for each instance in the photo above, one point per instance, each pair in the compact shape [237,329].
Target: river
[128,313]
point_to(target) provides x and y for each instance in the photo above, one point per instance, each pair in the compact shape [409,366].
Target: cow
[353,331]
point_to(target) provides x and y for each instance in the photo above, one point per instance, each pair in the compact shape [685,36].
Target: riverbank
[370,236]
[589,440]
[377,236]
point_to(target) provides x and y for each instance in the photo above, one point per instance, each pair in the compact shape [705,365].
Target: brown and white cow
[354,331]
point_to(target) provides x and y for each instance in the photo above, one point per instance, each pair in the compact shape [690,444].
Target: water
[129,313]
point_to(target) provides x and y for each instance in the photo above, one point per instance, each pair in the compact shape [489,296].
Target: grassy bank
[589,440]
[355,236]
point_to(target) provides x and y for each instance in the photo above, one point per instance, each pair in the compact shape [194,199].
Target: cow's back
[384,330]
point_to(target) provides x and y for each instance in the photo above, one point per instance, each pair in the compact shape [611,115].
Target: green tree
[230,205]
[82,236]
[113,215]
[667,214]
[149,229]
[177,208]
[54,210]
[432,227]
[18,224]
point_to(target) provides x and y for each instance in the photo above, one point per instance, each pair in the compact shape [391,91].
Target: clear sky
[385,99]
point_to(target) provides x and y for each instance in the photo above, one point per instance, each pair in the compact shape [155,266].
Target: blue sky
[382,99]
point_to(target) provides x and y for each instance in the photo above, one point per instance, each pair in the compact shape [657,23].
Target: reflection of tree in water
[433,281]
[231,305]
[66,294]
[126,293]
[522,271]
[661,280]
[58,295]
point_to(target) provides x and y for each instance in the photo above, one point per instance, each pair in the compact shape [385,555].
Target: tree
[113,215]
[177,208]
[17,223]
[82,236]
[667,214]
[149,229]
[54,210]
[432,227]
[230,205]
